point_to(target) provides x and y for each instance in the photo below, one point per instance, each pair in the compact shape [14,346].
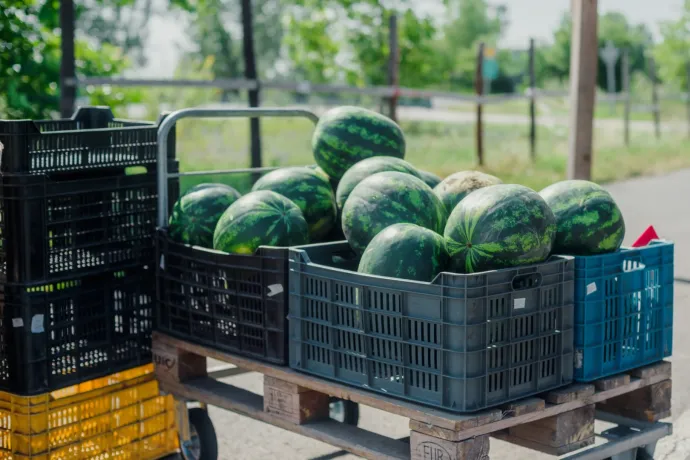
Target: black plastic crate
[58,334]
[93,139]
[52,229]
[463,342]
[231,302]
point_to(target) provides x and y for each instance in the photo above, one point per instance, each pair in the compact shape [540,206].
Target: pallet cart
[557,422]
[197,434]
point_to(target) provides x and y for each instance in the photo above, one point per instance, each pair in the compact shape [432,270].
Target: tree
[613,27]
[673,53]
[30,61]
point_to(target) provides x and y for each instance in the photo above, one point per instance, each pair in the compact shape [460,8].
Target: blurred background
[428,63]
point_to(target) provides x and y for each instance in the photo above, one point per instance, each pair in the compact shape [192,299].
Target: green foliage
[613,26]
[673,53]
[30,62]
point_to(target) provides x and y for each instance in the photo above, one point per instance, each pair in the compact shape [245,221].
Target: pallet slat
[353,439]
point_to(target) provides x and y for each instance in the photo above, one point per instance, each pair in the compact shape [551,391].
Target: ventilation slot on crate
[499,307]
[424,380]
[524,326]
[346,294]
[424,357]
[423,331]
[385,301]
[550,297]
[316,288]
[348,341]
[498,331]
[344,316]
[384,325]
[521,375]
[497,358]
[385,350]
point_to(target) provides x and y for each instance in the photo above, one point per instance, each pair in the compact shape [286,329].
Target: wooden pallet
[557,422]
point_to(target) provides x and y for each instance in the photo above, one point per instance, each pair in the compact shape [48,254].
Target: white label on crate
[37,324]
[578,359]
[162,264]
[274,289]
[591,288]
[519,303]
[17,322]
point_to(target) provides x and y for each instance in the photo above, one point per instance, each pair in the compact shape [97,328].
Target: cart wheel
[203,444]
[344,411]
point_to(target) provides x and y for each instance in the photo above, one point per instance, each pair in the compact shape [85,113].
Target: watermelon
[196,213]
[499,226]
[388,198]
[589,220]
[346,135]
[261,218]
[405,251]
[457,186]
[430,179]
[333,182]
[366,168]
[206,185]
[310,191]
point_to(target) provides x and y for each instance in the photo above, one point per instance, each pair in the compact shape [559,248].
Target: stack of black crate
[78,207]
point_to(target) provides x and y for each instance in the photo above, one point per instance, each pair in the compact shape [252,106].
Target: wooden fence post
[68,92]
[393,65]
[687,95]
[625,74]
[479,90]
[532,102]
[656,109]
[584,57]
[251,74]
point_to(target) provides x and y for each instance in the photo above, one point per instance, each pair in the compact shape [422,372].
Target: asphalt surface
[662,201]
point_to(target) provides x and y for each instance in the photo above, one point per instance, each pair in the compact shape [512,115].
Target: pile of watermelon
[401,221]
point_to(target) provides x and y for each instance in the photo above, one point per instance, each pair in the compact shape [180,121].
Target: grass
[441,148]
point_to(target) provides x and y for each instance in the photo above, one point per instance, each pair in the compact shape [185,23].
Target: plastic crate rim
[301,257]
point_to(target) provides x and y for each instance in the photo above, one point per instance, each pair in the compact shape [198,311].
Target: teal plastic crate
[623,310]
[461,342]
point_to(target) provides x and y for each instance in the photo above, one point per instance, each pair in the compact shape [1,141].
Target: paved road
[662,201]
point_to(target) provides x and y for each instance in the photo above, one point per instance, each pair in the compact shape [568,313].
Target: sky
[528,18]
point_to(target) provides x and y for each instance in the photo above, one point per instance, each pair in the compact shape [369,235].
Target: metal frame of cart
[631,439]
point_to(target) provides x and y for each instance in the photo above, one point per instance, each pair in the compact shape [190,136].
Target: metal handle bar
[169,122]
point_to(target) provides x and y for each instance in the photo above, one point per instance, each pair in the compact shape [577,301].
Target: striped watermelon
[347,135]
[430,179]
[499,226]
[261,218]
[195,214]
[405,251]
[310,191]
[388,198]
[457,186]
[206,185]
[589,220]
[366,168]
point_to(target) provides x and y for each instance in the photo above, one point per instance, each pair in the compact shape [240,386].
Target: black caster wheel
[203,443]
[344,411]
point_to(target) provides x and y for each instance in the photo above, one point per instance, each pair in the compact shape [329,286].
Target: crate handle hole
[527,281]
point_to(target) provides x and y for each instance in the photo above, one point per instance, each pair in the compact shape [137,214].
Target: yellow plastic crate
[120,416]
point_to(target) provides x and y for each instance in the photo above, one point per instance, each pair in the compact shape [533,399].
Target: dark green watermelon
[388,198]
[196,213]
[366,168]
[310,191]
[497,227]
[589,220]
[206,185]
[333,182]
[457,186]
[405,251]
[346,135]
[430,179]
[261,218]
